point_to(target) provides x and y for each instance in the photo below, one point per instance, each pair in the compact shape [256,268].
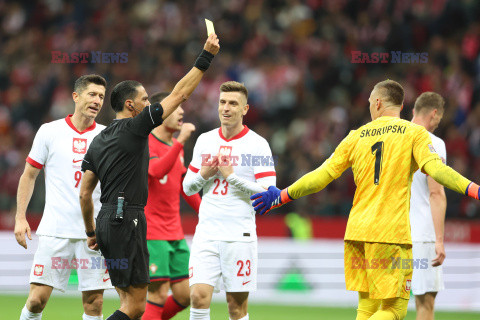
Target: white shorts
[232,262]
[425,277]
[56,257]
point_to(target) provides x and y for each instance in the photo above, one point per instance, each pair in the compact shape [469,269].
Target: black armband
[90,234]
[204,60]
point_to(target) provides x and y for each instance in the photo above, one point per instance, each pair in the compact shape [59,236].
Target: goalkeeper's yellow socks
[366,306]
[391,309]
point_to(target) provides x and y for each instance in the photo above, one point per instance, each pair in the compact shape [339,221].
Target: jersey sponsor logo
[387,129]
[38,270]
[79,145]
[75,161]
[135,221]
[245,282]
[408,285]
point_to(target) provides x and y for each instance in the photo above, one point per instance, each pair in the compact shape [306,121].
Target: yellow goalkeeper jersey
[383,155]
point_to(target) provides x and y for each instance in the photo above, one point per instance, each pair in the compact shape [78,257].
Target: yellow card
[210,28]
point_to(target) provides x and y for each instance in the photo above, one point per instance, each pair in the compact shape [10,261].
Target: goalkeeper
[383,155]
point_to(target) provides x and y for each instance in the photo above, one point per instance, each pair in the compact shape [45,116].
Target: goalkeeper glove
[270,199]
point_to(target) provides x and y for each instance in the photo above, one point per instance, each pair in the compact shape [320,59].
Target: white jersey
[226,212]
[59,148]
[420,212]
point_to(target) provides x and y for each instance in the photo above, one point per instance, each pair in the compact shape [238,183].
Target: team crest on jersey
[432,149]
[225,150]
[79,145]
[153,268]
[408,285]
[38,270]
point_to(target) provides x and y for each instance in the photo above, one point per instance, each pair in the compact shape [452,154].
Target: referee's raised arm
[184,88]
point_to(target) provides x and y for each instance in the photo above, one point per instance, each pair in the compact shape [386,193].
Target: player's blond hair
[391,91]
[429,101]
[234,86]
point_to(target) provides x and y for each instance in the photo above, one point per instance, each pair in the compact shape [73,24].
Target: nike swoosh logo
[105,280]
[244,283]
[75,161]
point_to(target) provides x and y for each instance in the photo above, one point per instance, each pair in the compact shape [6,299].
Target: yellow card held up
[210,28]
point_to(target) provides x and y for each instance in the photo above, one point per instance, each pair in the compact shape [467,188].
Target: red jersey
[165,176]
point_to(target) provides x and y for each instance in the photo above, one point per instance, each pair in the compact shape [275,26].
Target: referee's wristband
[203,61]
[90,234]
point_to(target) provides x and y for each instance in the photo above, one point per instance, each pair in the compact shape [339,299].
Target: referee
[118,157]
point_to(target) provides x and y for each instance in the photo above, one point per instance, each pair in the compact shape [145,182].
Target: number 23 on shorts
[244,268]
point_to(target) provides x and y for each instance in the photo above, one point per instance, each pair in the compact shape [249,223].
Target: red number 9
[78,178]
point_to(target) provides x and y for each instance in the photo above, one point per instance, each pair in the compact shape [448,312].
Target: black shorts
[124,245]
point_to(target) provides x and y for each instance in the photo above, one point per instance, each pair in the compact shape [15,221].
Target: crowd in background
[295,57]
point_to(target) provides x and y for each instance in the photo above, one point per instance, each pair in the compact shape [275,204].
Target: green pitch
[61,308]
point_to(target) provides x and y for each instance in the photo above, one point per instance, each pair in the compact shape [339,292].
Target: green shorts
[168,260]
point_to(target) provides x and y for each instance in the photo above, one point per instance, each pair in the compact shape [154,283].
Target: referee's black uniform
[118,156]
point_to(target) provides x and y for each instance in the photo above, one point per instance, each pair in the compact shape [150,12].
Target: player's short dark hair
[83,82]
[234,86]
[429,101]
[391,91]
[123,91]
[158,97]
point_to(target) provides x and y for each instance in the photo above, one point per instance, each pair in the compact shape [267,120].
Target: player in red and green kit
[169,253]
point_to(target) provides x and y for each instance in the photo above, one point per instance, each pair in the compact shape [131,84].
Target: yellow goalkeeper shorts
[384,270]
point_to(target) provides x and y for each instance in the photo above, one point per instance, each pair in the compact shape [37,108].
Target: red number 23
[241,264]
[225,187]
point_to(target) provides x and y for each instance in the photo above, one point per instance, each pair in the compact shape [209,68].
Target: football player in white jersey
[59,147]
[230,164]
[427,214]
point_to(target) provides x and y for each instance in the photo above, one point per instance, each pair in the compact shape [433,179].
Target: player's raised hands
[22,227]
[224,165]
[185,132]
[212,44]
[209,169]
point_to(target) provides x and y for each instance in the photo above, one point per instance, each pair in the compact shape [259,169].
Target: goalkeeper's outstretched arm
[311,182]
[450,178]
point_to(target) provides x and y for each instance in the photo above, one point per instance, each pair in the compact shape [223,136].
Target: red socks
[153,311]
[171,308]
